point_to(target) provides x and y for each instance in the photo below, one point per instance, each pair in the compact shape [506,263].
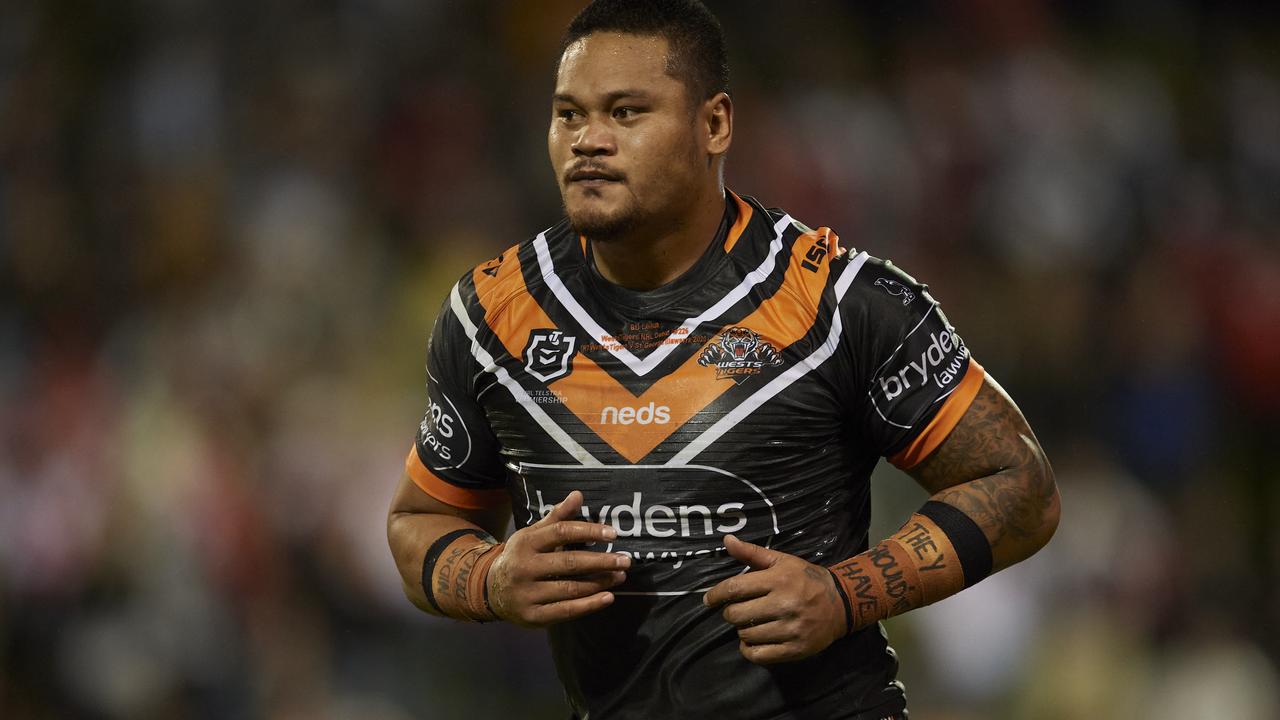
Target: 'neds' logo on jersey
[651,414]
[739,354]
[671,520]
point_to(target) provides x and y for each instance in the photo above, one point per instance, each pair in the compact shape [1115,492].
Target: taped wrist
[454,572]
[937,553]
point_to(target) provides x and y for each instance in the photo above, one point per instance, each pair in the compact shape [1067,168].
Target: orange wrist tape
[455,579]
[914,567]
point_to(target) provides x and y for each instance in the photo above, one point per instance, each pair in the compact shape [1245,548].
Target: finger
[553,613]
[554,591]
[571,532]
[563,510]
[770,633]
[617,577]
[752,612]
[769,654]
[574,563]
[759,558]
[736,589]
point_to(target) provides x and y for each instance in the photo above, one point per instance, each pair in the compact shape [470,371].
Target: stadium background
[225,228]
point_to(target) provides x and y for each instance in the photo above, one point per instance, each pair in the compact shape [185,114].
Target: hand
[534,582]
[785,608]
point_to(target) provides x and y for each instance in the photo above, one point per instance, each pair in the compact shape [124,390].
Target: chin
[599,223]
[601,228]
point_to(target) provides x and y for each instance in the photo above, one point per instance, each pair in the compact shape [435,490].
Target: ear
[717,115]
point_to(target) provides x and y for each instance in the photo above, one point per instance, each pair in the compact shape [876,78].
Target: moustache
[592,171]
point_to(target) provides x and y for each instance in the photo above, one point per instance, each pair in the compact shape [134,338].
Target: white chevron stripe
[781,382]
[658,354]
[486,361]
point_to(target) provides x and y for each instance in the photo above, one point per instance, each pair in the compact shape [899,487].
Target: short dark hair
[696,52]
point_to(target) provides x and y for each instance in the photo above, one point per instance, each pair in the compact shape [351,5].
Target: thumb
[759,558]
[563,510]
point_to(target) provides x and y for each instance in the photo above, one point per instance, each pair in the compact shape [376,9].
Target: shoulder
[863,285]
[880,288]
[515,271]
[807,260]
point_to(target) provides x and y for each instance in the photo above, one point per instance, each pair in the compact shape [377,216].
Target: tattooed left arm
[992,468]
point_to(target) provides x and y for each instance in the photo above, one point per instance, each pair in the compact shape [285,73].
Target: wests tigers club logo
[739,354]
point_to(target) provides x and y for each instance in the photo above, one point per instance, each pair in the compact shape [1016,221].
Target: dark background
[225,228]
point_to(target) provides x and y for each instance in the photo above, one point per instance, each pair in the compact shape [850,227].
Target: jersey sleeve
[455,456]
[911,376]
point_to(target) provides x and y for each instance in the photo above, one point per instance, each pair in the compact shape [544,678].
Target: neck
[649,258]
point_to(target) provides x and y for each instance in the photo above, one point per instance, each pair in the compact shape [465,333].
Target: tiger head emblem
[739,342]
[739,355]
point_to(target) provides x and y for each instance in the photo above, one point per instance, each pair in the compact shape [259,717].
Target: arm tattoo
[992,468]
[990,473]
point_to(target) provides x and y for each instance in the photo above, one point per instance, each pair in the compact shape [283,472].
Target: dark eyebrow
[610,97]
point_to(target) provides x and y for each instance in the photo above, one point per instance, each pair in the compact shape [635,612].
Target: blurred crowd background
[225,229]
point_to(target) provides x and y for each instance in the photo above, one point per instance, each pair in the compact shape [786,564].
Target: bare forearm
[410,535]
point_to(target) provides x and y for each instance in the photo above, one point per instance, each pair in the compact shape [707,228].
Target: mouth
[592,177]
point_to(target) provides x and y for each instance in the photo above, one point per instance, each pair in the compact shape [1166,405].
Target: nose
[594,139]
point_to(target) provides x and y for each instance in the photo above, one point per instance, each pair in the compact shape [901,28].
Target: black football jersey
[753,395]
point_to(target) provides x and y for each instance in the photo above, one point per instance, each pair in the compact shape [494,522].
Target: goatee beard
[602,228]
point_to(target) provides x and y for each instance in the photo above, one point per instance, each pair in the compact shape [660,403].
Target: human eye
[567,114]
[626,112]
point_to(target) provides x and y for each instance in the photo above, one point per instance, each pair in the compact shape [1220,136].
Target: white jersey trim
[517,391]
[657,355]
[781,382]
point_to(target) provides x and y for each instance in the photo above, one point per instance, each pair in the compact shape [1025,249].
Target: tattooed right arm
[992,468]
[994,504]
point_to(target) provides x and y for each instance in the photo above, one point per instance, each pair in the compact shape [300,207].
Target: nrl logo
[739,355]
[549,354]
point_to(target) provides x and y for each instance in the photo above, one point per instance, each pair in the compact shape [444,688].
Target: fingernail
[610,533]
[624,561]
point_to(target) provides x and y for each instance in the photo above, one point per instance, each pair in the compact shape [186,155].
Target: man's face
[622,137]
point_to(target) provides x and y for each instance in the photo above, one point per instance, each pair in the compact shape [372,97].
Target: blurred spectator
[225,229]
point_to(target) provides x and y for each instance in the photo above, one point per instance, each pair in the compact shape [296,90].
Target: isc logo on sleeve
[651,414]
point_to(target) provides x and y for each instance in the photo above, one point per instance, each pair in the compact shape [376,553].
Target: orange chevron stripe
[788,315]
[589,391]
